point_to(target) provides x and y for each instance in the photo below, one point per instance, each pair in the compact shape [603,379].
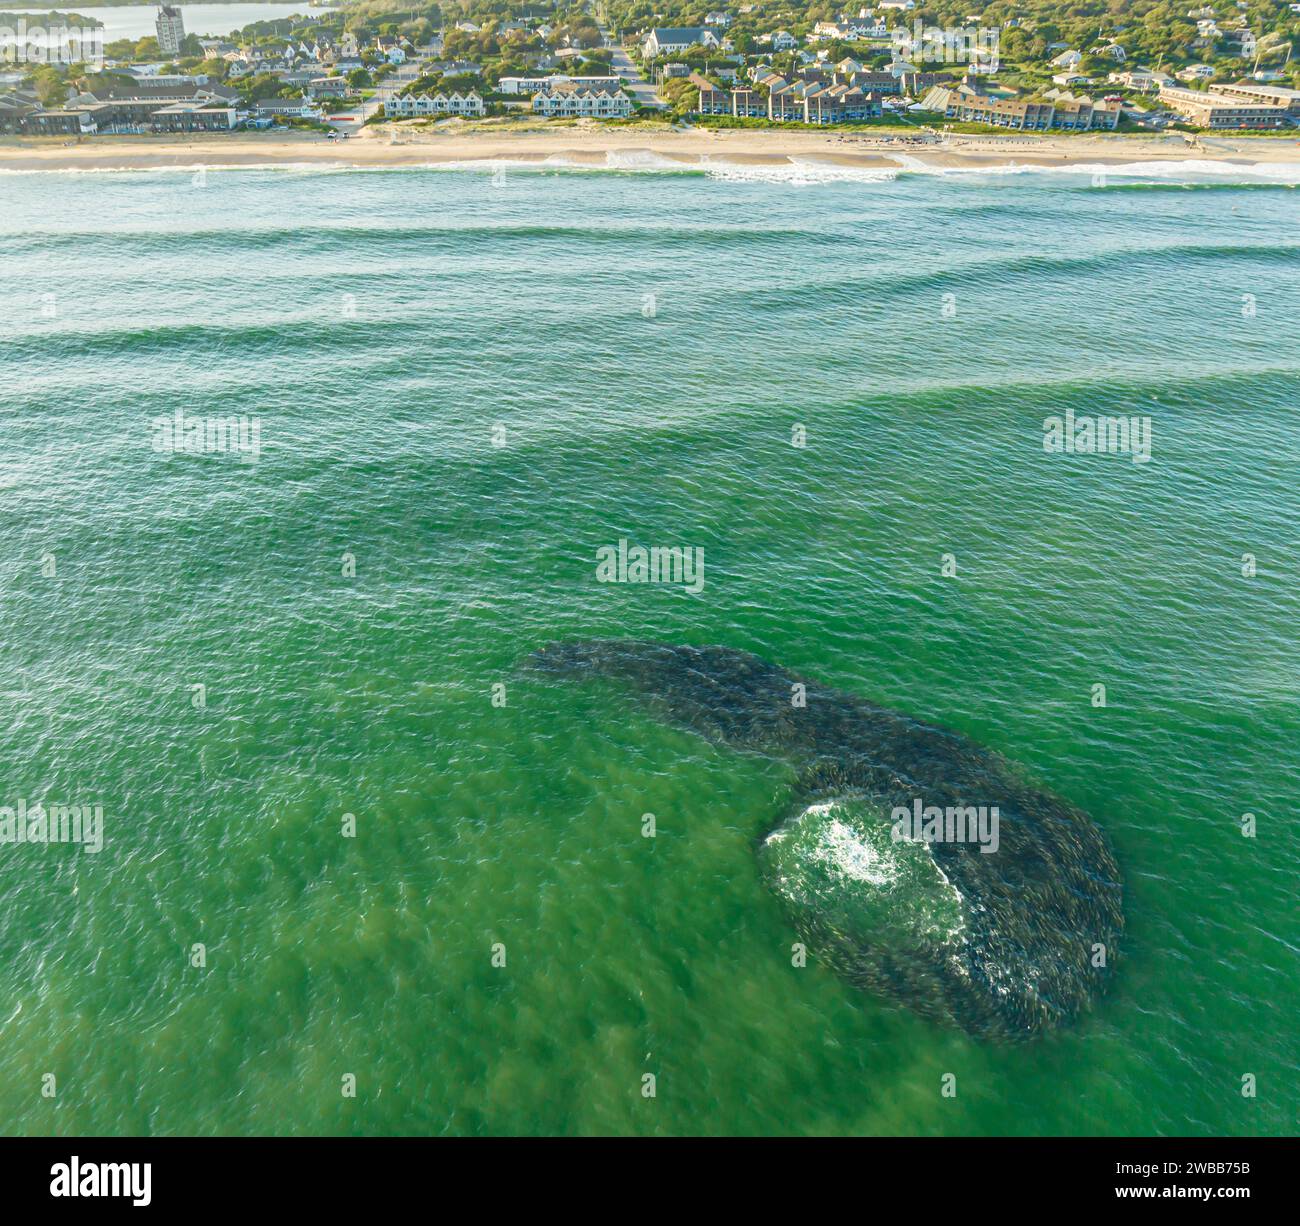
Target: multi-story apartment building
[805,99]
[748,103]
[1081,113]
[193,117]
[850,72]
[1020,114]
[133,108]
[171,29]
[1276,95]
[59,123]
[1214,109]
[713,100]
[840,104]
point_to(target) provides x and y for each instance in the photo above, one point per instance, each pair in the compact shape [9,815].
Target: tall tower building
[171,30]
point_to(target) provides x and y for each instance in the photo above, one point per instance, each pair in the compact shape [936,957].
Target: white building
[171,30]
[1140,78]
[530,85]
[849,30]
[411,105]
[567,99]
[1246,42]
[867,27]
[523,85]
[674,39]
[286,108]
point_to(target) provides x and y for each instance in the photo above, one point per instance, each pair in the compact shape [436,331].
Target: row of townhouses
[554,98]
[839,93]
[570,99]
[1054,108]
[409,105]
[812,102]
[788,101]
[891,82]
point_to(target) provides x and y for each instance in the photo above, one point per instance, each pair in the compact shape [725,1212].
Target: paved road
[630,75]
[394,83]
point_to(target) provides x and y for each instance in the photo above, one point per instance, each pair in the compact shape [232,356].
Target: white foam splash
[644,161]
[836,866]
[179,168]
[842,851]
[1187,170]
[792,172]
[1264,172]
[795,172]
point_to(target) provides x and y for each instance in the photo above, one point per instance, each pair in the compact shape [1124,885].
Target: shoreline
[693,148]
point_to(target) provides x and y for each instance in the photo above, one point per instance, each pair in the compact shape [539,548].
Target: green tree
[50,87]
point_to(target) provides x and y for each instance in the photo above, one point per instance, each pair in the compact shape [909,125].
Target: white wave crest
[796,172]
[1175,171]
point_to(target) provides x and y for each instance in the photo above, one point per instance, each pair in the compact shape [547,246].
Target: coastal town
[1225,67]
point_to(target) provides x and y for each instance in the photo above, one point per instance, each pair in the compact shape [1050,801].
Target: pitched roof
[679,34]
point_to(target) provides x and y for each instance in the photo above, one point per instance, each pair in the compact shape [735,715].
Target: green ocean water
[643,343]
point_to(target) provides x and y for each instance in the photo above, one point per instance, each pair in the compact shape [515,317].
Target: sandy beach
[592,145]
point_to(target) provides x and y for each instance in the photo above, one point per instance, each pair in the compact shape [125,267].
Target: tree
[49,85]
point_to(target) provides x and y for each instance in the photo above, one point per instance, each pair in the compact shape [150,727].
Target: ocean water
[468,381]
